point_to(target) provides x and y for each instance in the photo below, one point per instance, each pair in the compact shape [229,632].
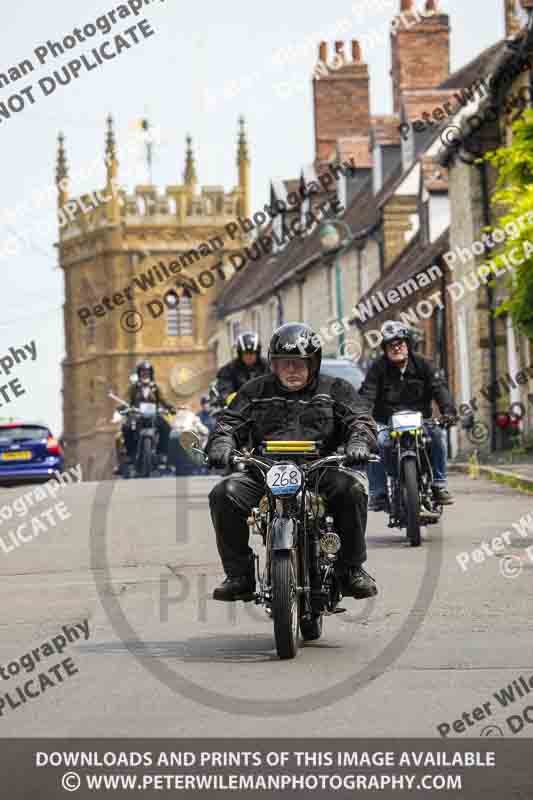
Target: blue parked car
[28,453]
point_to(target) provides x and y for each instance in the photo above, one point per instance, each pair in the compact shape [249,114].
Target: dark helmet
[392,331]
[248,342]
[147,367]
[296,340]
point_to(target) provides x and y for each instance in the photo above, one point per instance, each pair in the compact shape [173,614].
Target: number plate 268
[284,479]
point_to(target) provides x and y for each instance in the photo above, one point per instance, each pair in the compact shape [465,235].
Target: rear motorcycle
[410,477]
[296,575]
[143,421]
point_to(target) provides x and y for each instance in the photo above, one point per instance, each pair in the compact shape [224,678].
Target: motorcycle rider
[146,390]
[246,366]
[399,381]
[293,402]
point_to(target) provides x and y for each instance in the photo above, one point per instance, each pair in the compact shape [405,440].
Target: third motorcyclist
[146,390]
[293,402]
[246,366]
[398,381]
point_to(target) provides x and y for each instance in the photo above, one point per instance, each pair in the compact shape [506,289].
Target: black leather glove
[219,456]
[357,452]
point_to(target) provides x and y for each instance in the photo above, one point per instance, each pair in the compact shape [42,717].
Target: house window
[180,319]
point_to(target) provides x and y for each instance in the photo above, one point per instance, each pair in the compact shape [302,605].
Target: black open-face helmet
[248,342]
[145,366]
[392,331]
[297,340]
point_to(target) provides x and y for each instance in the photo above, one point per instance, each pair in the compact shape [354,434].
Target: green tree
[514,194]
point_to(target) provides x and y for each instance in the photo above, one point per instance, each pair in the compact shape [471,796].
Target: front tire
[412,502]
[146,457]
[284,604]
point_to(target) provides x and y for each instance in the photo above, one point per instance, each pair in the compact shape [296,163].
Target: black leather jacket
[328,410]
[385,390]
[232,376]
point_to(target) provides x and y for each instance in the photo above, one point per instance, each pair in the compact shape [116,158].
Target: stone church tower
[119,253]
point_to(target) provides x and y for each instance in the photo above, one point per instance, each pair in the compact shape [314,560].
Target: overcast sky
[181,77]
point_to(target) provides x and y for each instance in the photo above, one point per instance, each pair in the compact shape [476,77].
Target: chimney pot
[406,5]
[431,5]
[356,52]
[323,52]
[339,47]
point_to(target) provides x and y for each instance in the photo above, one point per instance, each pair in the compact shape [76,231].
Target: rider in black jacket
[146,390]
[245,367]
[398,381]
[293,403]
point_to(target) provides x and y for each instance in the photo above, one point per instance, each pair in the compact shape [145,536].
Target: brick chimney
[420,48]
[341,99]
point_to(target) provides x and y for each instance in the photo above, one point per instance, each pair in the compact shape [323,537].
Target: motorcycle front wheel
[146,457]
[284,604]
[411,501]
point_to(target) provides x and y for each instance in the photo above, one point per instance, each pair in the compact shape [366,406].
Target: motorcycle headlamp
[330,544]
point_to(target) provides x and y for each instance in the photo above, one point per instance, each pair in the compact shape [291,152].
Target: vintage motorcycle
[411,503]
[143,420]
[295,572]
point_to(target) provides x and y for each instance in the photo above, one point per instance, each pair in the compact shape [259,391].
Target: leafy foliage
[514,193]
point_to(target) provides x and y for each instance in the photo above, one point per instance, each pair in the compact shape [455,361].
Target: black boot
[234,588]
[359,584]
[442,496]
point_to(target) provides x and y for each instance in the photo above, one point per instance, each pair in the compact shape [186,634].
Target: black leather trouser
[232,499]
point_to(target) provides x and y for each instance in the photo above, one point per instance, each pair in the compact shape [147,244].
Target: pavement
[137,560]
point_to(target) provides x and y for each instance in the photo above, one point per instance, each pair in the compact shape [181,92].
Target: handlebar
[265,464]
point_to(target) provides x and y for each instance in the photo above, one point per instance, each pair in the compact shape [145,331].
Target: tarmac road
[138,560]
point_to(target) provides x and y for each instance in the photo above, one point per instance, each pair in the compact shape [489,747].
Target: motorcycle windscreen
[148,409]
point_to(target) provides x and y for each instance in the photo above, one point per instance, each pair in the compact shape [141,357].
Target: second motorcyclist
[293,402]
[146,390]
[246,366]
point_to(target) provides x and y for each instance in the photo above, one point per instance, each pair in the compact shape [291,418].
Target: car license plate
[21,455]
